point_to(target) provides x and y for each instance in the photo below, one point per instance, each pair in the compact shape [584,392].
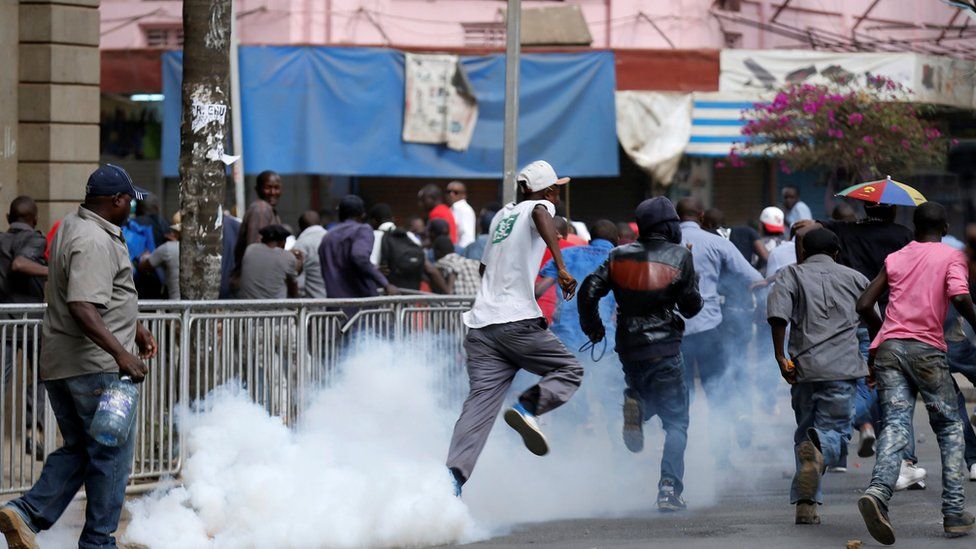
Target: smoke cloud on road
[365,465]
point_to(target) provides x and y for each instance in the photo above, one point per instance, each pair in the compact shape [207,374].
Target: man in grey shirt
[167,256]
[310,282]
[268,271]
[817,298]
[90,335]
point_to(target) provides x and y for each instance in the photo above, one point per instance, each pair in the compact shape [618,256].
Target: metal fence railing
[276,350]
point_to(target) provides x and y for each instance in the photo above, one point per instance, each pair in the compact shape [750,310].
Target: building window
[163,36]
[484,34]
[729,5]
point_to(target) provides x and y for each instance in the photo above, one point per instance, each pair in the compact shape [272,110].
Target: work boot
[525,424]
[633,421]
[875,516]
[669,501]
[806,513]
[811,467]
[15,529]
[958,525]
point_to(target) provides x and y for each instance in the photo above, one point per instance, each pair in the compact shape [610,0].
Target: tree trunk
[206,88]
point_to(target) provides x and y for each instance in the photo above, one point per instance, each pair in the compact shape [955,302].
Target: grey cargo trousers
[495,355]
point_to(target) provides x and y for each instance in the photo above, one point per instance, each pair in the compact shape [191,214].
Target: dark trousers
[962,360]
[34,415]
[659,385]
[704,352]
[102,470]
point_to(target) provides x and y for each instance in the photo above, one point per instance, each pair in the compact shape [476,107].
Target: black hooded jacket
[651,279]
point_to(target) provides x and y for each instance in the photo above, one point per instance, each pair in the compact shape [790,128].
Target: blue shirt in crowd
[580,262]
[715,259]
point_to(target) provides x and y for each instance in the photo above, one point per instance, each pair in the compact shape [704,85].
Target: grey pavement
[759,514]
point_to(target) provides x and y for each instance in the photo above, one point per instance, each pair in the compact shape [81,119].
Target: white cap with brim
[539,176]
[772,219]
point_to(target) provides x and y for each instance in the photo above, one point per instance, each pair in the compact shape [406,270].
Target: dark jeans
[34,410]
[907,368]
[962,360]
[705,350]
[102,470]
[827,407]
[736,331]
[659,385]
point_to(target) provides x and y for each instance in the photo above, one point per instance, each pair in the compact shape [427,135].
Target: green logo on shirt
[504,228]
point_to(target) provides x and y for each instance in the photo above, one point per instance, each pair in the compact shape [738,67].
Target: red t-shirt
[50,239]
[549,299]
[442,211]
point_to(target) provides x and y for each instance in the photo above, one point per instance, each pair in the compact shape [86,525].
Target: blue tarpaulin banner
[339,111]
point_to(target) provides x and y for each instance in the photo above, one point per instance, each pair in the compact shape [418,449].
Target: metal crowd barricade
[277,350]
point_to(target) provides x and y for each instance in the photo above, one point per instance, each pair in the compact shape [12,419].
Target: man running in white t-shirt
[507,329]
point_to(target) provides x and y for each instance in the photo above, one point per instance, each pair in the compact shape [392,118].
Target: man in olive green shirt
[90,336]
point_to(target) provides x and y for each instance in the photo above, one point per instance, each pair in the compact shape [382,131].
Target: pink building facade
[926,26]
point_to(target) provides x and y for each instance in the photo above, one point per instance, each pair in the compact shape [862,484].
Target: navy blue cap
[110,180]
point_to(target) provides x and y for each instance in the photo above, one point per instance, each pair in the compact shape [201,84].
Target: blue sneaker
[525,425]
[456,482]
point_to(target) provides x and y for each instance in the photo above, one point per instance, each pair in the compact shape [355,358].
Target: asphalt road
[757,514]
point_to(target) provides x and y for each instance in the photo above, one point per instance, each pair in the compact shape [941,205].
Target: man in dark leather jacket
[652,280]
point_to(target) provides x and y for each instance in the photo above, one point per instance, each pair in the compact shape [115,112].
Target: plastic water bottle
[115,414]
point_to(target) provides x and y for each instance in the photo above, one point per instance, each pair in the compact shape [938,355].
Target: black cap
[820,241]
[274,233]
[110,180]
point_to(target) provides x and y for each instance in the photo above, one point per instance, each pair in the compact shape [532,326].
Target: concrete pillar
[8,103]
[58,103]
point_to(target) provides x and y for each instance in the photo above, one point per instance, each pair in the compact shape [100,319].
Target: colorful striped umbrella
[884,191]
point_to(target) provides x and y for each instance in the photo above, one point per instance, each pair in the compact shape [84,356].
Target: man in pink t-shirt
[908,359]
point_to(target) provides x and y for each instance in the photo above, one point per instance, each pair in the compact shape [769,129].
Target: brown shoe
[811,467]
[875,517]
[18,534]
[806,513]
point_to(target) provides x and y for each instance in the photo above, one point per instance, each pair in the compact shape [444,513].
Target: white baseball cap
[539,175]
[772,219]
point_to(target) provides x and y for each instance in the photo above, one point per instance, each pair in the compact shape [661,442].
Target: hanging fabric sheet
[439,102]
[340,111]
[654,128]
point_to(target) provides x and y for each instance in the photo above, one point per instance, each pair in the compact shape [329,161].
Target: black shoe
[958,525]
[633,421]
[668,501]
[875,517]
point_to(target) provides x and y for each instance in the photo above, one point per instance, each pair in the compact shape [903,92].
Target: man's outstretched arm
[547,230]
[866,303]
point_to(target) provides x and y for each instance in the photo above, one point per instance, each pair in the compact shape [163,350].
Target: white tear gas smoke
[365,466]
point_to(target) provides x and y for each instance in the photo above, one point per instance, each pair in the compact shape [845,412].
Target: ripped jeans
[904,369]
